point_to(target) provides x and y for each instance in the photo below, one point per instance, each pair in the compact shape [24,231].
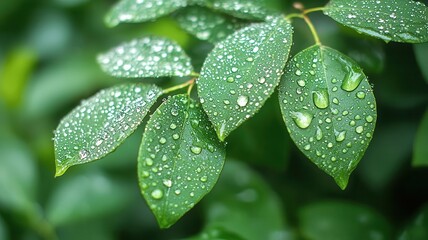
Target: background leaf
[146,57]
[101,123]
[418,229]
[392,20]
[342,221]
[420,150]
[141,10]
[329,109]
[180,159]
[3,232]
[421,52]
[252,10]
[242,72]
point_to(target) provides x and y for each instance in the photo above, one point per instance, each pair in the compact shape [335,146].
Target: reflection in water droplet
[196,150]
[157,194]
[302,119]
[320,98]
[352,79]
[242,101]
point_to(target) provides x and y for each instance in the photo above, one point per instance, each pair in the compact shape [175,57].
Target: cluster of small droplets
[147,57]
[254,9]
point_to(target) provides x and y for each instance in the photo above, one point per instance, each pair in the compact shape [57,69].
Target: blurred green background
[268,189]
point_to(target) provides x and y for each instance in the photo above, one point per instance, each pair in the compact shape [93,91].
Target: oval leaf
[207,25]
[420,150]
[133,11]
[242,72]
[180,159]
[329,109]
[391,20]
[101,123]
[146,57]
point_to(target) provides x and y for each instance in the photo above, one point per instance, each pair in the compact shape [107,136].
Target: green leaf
[133,11]
[251,10]
[101,123]
[242,72]
[180,159]
[421,52]
[329,109]
[391,20]
[146,57]
[418,229]
[342,221]
[85,197]
[420,150]
[215,233]
[207,25]
[3,232]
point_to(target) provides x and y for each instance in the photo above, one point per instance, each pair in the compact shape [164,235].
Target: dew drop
[361,95]
[157,194]
[173,126]
[149,162]
[307,147]
[204,178]
[321,98]
[352,80]
[261,80]
[298,72]
[318,133]
[175,136]
[301,83]
[167,182]
[302,119]
[83,153]
[230,79]
[98,142]
[359,129]
[369,119]
[177,192]
[196,150]
[340,136]
[242,101]
[162,140]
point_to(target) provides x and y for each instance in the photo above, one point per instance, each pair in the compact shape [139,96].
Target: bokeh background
[268,189]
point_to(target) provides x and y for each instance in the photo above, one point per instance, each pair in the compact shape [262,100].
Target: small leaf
[146,57]
[180,159]
[421,52]
[101,123]
[420,150]
[392,20]
[207,25]
[242,72]
[133,11]
[418,229]
[329,109]
[251,10]
[342,221]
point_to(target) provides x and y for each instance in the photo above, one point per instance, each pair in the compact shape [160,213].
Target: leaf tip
[342,181]
[60,170]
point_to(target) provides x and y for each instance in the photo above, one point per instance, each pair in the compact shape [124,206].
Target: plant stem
[189,84]
[312,28]
[313,10]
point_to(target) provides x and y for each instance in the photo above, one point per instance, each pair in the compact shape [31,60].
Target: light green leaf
[420,150]
[85,197]
[389,20]
[342,221]
[207,25]
[418,229]
[133,11]
[242,72]
[421,52]
[146,57]
[329,109]
[101,123]
[180,159]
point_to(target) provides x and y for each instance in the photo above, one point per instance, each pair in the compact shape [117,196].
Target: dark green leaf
[146,57]
[85,197]
[180,159]
[215,233]
[252,10]
[141,10]
[3,232]
[329,109]
[421,52]
[242,72]
[418,230]
[391,20]
[342,221]
[207,25]
[101,123]
[420,149]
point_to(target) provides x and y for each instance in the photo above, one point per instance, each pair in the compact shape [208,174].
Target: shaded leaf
[146,57]
[132,11]
[215,233]
[101,123]
[242,72]
[392,20]
[207,25]
[180,159]
[418,229]
[3,232]
[420,150]
[421,52]
[342,221]
[329,109]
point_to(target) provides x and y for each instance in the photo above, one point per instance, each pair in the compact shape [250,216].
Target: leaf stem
[188,84]
[313,10]
[312,28]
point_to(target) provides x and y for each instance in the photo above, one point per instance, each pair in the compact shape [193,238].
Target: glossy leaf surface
[389,20]
[329,109]
[146,57]
[101,123]
[242,72]
[180,159]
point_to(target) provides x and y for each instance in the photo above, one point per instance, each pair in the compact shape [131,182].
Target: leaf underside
[329,109]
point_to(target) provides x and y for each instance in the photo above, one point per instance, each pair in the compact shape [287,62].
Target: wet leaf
[146,57]
[342,221]
[242,72]
[252,10]
[392,20]
[420,150]
[418,229]
[207,25]
[421,52]
[180,159]
[133,11]
[329,109]
[101,123]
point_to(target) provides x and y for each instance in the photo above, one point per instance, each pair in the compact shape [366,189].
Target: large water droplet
[318,133]
[157,194]
[352,79]
[320,98]
[302,119]
[340,136]
[369,119]
[196,150]
[361,95]
[242,101]
[359,129]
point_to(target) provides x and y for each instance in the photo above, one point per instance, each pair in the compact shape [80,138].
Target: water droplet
[177,192]
[174,112]
[99,142]
[242,101]
[196,150]
[298,72]
[369,119]
[157,194]
[83,153]
[321,98]
[361,95]
[301,83]
[149,161]
[302,119]
[227,102]
[204,178]
[333,159]
[261,80]
[318,133]
[230,79]
[167,182]
[250,59]
[352,79]
[330,145]
[162,140]
[173,126]
[307,147]
[335,101]
[175,136]
[352,123]
[359,129]
[234,69]
[340,136]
